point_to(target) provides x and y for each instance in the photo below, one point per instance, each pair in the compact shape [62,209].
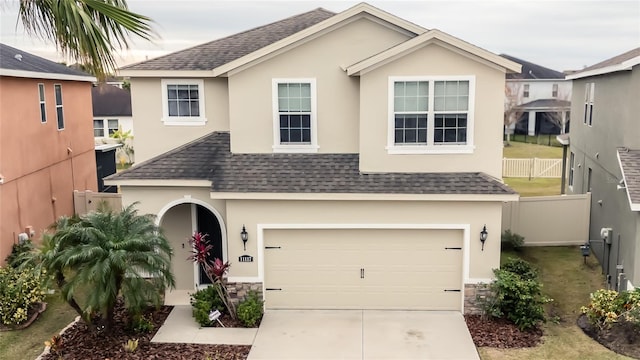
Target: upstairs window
[430,115]
[43,107]
[589,94]
[525,91]
[183,102]
[294,115]
[554,91]
[59,111]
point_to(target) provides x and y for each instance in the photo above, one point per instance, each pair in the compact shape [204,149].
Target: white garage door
[363,269]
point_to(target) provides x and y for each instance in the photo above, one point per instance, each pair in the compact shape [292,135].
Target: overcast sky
[562,35]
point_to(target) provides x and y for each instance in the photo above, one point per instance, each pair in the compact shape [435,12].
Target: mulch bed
[81,343]
[623,337]
[500,333]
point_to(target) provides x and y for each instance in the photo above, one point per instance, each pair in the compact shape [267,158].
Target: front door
[207,223]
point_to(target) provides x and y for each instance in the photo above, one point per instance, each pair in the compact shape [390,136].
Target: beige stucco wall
[250,91]
[432,60]
[153,137]
[476,214]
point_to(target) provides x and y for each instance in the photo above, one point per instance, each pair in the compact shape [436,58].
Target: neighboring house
[112,111]
[605,160]
[361,154]
[46,147]
[541,98]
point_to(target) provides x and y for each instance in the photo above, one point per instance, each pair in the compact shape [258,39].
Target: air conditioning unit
[606,234]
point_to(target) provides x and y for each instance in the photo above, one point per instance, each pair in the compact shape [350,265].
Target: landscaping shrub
[520,267]
[511,241]
[609,306]
[18,251]
[250,310]
[516,297]
[19,292]
[203,302]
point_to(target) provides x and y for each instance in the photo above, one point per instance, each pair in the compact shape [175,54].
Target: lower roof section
[307,175]
[629,161]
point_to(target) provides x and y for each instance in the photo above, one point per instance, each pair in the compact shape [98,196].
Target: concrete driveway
[362,334]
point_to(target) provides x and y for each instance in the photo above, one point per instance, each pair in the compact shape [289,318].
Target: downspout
[564,169]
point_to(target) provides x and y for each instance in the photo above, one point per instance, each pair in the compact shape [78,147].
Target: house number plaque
[245,258]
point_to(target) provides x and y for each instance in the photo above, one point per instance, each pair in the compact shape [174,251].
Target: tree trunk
[60,281]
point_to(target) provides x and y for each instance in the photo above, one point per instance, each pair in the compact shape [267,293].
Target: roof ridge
[231,35]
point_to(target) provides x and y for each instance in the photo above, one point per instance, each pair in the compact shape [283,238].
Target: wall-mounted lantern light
[244,236]
[483,236]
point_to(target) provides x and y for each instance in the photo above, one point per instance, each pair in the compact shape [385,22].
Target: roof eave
[158,182]
[166,73]
[632,205]
[44,75]
[225,69]
[361,196]
[623,66]
[425,39]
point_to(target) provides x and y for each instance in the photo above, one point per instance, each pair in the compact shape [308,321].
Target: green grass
[547,140]
[568,281]
[520,150]
[535,187]
[29,343]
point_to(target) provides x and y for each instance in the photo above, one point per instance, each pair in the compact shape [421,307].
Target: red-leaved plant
[215,270]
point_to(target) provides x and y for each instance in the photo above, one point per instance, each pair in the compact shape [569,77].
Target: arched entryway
[179,220]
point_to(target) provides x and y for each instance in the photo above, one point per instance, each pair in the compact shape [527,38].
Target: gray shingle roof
[209,158]
[29,62]
[109,100]
[630,163]
[619,59]
[531,70]
[219,52]
[546,103]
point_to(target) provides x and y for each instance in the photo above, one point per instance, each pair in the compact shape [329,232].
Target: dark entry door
[208,224]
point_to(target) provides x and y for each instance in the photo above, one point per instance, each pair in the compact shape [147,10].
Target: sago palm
[87,30]
[111,253]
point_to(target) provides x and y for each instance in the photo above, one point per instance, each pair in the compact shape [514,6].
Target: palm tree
[87,30]
[111,253]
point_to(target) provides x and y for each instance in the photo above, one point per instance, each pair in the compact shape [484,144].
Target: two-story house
[541,97]
[358,154]
[605,160]
[46,147]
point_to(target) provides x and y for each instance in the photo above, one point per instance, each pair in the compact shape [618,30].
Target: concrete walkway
[358,334]
[180,327]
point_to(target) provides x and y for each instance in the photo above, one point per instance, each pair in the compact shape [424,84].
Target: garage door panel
[363,268]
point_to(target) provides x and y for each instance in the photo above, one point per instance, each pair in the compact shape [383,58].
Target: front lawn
[569,282]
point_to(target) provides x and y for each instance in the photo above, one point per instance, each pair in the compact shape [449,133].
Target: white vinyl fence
[532,168]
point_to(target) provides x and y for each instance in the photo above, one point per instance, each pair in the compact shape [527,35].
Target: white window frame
[102,128]
[58,106]
[526,91]
[105,127]
[572,166]
[278,147]
[183,120]
[592,94]
[430,148]
[42,103]
[554,90]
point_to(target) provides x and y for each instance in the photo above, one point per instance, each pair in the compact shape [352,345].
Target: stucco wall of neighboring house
[432,60]
[153,137]
[476,214]
[321,58]
[42,165]
[541,89]
[614,125]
